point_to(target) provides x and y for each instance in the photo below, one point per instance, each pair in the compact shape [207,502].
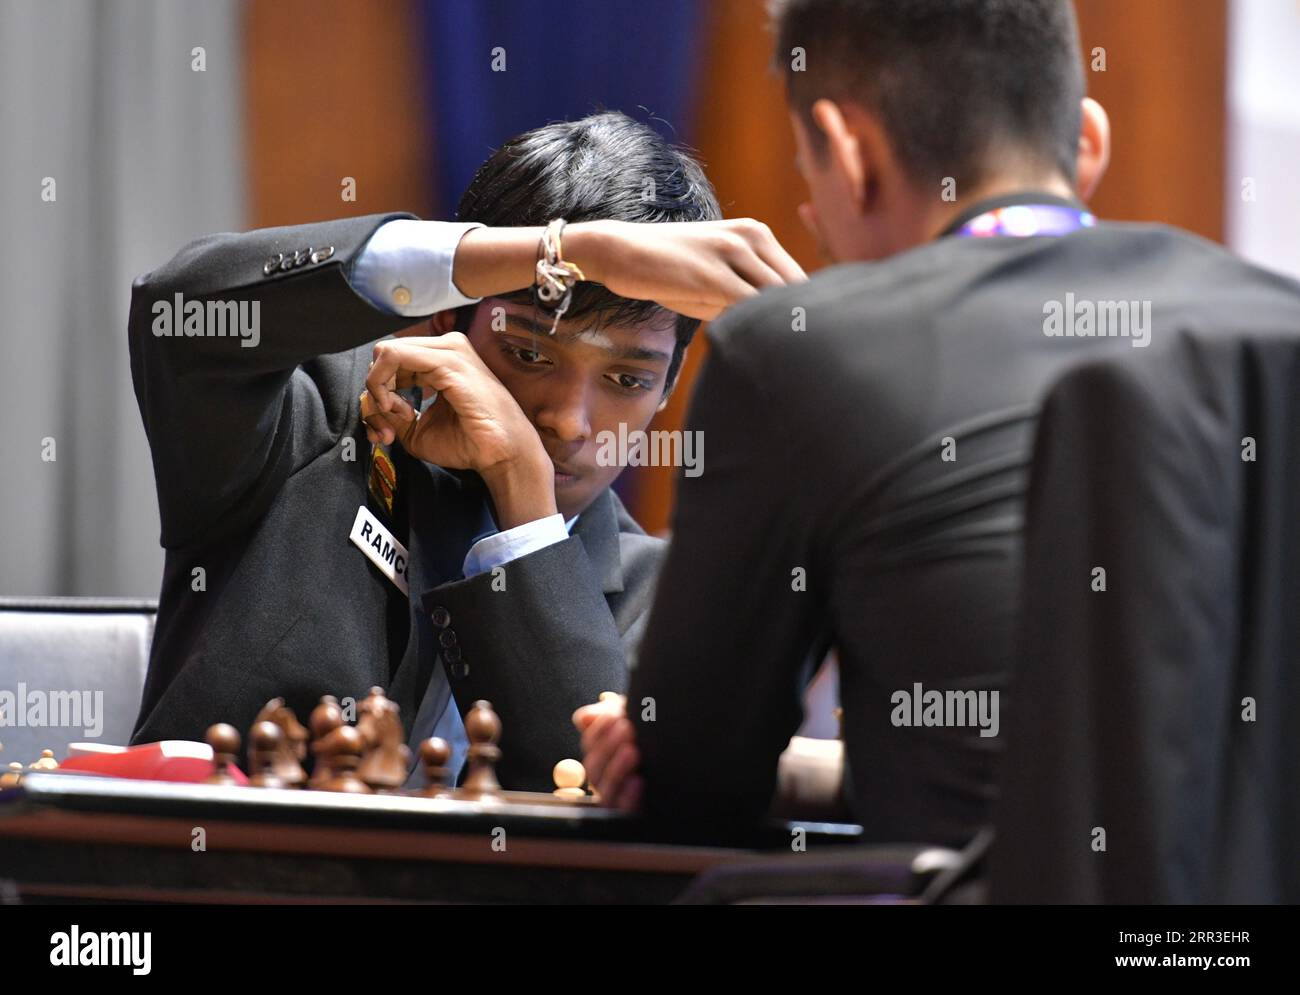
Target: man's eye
[529,356]
[629,382]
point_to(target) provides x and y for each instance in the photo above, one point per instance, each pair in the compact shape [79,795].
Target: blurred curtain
[1261,191]
[497,69]
[145,154]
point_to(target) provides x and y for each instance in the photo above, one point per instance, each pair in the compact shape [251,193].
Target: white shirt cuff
[500,548]
[406,267]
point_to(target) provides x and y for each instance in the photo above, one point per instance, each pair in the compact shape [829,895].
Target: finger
[384,427]
[730,288]
[610,703]
[620,757]
[593,735]
[423,365]
[395,365]
[692,308]
[629,799]
[755,271]
[622,765]
[599,744]
[371,418]
[774,254]
[368,406]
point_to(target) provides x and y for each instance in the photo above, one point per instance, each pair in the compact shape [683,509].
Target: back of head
[602,167]
[958,85]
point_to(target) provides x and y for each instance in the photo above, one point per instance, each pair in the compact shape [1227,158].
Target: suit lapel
[598,529]
[444,511]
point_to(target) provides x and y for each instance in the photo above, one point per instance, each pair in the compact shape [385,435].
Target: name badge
[385,552]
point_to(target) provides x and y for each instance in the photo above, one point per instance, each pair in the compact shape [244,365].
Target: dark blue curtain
[563,59]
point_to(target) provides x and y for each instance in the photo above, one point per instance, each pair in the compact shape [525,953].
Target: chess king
[461,542]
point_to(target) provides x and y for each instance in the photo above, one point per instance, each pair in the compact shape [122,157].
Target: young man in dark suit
[309,554]
[870,431]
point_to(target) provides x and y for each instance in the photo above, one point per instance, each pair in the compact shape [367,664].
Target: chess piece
[46,762]
[224,740]
[265,742]
[483,728]
[292,750]
[435,754]
[386,759]
[341,751]
[370,709]
[569,777]
[12,777]
[325,718]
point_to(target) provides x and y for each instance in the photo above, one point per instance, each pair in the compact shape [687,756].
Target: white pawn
[569,777]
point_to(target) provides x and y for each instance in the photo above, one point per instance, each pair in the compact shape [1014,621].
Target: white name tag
[384,551]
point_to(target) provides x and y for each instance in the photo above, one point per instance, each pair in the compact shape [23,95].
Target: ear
[443,322]
[1094,148]
[844,151]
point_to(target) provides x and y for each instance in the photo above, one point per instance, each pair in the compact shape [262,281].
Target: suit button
[447,637]
[440,617]
[320,255]
[301,256]
[272,264]
[286,264]
[451,653]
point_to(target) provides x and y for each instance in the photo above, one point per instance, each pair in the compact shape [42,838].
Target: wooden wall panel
[334,89]
[1165,87]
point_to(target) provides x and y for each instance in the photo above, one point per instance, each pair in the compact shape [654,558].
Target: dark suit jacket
[826,511]
[261,463]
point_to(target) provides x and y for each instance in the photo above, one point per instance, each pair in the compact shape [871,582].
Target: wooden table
[72,837]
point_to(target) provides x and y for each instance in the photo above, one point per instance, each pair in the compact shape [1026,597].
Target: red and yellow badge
[383,477]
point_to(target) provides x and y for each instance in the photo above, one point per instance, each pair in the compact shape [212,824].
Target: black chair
[1162,710]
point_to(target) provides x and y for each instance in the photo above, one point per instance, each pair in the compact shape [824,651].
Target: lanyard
[1024,220]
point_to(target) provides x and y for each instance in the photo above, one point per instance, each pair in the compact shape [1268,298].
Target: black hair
[605,166]
[953,81]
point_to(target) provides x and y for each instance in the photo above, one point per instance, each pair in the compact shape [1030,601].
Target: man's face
[583,381]
[832,212]
[826,200]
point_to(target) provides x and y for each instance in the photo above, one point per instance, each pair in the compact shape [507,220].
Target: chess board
[66,836]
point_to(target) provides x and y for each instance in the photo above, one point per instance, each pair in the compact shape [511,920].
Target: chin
[571,506]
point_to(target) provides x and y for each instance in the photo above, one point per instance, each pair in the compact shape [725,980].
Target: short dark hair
[951,80]
[605,166]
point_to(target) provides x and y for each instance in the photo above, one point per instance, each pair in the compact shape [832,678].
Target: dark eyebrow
[531,326]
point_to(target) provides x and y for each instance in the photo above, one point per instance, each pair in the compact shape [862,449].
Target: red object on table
[167,760]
